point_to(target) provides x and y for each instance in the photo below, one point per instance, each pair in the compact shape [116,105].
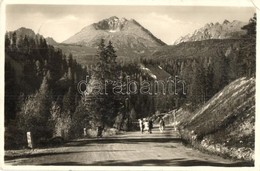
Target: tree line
[40,89]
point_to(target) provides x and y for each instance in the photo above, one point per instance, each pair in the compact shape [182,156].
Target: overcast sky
[166,22]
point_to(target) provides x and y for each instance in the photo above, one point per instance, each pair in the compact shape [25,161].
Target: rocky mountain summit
[123,33]
[111,24]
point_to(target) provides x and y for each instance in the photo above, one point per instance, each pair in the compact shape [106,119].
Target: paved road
[130,149]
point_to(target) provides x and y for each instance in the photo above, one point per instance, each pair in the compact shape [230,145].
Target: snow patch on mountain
[147,71]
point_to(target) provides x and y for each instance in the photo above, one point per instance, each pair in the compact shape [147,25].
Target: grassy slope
[225,124]
[87,55]
[84,55]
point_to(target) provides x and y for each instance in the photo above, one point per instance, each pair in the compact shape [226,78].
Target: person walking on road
[150,126]
[99,131]
[141,124]
[161,125]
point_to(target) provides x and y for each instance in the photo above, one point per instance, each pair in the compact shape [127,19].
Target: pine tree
[7,42]
[251,27]
[102,103]
[11,90]
[248,54]
[14,38]
[197,86]
[69,101]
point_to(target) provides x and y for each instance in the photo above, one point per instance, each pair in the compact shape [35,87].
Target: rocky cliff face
[111,24]
[215,31]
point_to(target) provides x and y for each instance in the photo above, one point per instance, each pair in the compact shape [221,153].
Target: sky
[167,23]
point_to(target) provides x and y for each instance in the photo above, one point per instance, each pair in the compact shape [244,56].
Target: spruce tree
[251,27]
[101,102]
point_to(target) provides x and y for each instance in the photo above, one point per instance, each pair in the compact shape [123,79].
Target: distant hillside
[26,32]
[178,58]
[226,123]
[226,30]
[21,32]
[194,49]
[84,55]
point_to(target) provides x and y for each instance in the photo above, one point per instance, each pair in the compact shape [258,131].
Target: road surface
[129,149]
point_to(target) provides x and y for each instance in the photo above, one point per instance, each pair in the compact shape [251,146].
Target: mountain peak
[124,33]
[113,17]
[226,22]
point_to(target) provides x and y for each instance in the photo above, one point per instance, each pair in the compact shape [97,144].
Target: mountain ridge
[226,30]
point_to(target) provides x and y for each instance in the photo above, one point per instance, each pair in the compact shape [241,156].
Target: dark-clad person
[150,126]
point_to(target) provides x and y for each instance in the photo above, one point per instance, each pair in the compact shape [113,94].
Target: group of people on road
[147,124]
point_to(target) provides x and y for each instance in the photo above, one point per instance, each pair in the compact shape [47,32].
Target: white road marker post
[29,140]
[85,132]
